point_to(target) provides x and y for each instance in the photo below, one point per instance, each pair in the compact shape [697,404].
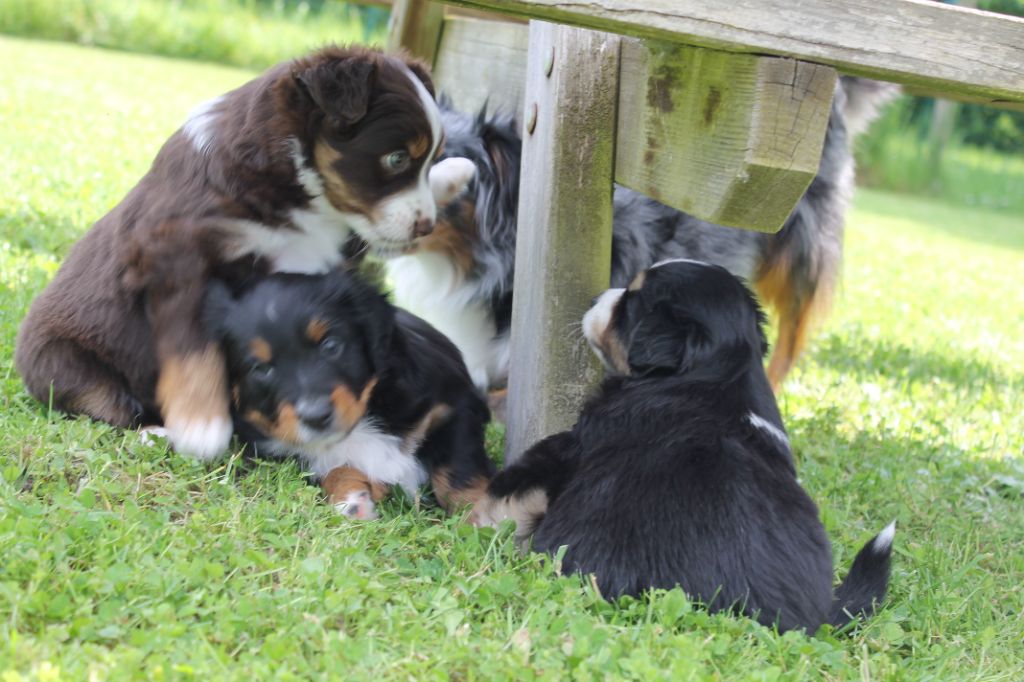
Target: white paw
[449,177]
[357,505]
[152,435]
[204,439]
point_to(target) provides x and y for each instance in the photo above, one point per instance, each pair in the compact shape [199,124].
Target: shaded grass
[245,33]
[124,561]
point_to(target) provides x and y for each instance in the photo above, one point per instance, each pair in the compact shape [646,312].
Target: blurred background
[963,154]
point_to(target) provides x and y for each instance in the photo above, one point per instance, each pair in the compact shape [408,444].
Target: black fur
[365,338]
[667,480]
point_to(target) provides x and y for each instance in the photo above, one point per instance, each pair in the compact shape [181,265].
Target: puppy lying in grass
[367,396]
[679,471]
[315,159]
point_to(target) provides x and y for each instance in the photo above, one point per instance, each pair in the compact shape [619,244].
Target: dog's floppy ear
[217,302]
[340,88]
[663,343]
[421,71]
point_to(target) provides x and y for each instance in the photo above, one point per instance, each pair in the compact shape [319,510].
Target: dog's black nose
[316,414]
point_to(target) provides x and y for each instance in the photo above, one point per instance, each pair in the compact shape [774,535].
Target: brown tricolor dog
[289,172]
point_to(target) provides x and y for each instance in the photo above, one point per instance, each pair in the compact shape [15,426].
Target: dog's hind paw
[204,439]
[357,505]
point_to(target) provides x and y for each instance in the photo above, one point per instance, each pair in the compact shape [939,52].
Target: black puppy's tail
[867,581]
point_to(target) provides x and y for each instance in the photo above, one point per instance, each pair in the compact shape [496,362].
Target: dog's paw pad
[152,435]
[357,505]
[203,439]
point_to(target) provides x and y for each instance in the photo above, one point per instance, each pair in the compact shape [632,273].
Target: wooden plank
[563,246]
[482,61]
[959,52]
[415,25]
[731,138]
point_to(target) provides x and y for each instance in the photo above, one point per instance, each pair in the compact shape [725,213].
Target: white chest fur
[427,285]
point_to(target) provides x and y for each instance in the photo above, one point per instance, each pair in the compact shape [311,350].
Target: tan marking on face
[440,148]
[260,350]
[450,242]
[325,158]
[340,482]
[419,146]
[436,416]
[347,407]
[451,497]
[638,282]
[316,330]
[286,428]
[193,387]
[614,350]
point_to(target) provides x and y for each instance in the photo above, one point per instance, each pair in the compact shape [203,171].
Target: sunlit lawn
[121,561]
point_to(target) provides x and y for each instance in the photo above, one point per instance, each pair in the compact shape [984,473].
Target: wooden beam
[482,61]
[563,243]
[415,25]
[730,138]
[953,51]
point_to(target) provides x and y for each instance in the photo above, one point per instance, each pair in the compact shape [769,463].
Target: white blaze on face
[392,231]
[600,315]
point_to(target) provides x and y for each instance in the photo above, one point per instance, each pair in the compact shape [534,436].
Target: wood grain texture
[563,248]
[731,138]
[958,52]
[415,25]
[482,61]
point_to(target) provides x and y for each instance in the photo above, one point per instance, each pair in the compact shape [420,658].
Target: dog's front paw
[358,504]
[449,177]
[193,398]
[202,438]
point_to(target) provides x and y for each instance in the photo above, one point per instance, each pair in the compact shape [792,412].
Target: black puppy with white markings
[679,472]
[364,394]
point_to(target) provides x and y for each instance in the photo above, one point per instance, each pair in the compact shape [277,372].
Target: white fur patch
[200,125]
[203,439]
[378,455]
[314,246]
[357,505]
[775,432]
[883,541]
[449,177]
[596,320]
[677,260]
[428,285]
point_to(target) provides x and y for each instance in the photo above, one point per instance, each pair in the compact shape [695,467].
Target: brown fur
[349,408]
[260,350]
[193,388]
[342,481]
[450,496]
[797,315]
[451,242]
[317,329]
[122,313]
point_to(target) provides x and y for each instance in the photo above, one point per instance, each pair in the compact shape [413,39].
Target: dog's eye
[332,348]
[396,161]
[261,371]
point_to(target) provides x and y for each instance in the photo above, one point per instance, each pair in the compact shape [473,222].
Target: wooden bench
[717,109]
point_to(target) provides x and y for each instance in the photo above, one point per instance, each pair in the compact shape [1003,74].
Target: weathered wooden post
[563,248]
[416,26]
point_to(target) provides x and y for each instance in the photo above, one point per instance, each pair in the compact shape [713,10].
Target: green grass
[124,561]
[892,156]
[248,33]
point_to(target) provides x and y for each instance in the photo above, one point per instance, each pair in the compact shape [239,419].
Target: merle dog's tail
[867,581]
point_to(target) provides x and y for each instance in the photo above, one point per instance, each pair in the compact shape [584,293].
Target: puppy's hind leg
[78,382]
[450,443]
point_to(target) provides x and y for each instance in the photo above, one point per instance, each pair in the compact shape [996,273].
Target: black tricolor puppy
[366,395]
[679,472]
